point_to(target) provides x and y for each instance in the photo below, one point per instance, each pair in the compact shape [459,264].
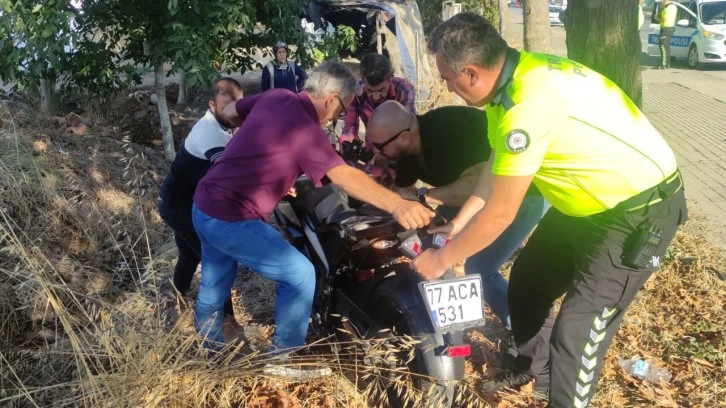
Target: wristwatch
[421,194]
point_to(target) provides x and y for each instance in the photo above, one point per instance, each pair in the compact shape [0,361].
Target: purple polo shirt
[279,140]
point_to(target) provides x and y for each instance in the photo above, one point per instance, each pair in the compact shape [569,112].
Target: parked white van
[700,34]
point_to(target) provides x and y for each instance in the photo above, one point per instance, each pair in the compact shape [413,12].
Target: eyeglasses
[342,113]
[381,146]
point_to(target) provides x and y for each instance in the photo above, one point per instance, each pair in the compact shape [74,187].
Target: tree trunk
[603,35]
[166,133]
[44,95]
[536,26]
[379,34]
[503,9]
[182,97]
[394,51]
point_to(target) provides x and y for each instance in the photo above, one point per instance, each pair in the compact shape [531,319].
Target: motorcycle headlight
[713,36]
[383,244]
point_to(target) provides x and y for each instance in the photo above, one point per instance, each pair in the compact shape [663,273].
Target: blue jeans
[489,260]
[261,248]
[179,219]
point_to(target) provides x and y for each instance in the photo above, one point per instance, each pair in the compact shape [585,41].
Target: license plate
[454,303]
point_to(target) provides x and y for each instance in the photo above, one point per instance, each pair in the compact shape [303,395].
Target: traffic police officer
[667,20]
[617,200]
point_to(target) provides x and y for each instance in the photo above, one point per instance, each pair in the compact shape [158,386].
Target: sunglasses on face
[381,146]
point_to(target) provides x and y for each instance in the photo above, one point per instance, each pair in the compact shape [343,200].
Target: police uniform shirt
[668,15]
[586,143]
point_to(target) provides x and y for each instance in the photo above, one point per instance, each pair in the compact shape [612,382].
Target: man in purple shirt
[379,85]
[257,169]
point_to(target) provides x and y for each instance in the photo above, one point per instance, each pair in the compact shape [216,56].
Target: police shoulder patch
[517,141]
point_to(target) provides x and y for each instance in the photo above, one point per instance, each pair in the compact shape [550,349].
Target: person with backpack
[282,72]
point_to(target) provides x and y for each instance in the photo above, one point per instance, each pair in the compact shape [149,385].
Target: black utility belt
[645,242]
[653,195]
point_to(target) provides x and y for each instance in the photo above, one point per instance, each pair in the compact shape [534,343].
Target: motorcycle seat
[325,202]
[337,219]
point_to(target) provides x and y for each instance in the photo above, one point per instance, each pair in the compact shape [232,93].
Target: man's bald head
[387,119]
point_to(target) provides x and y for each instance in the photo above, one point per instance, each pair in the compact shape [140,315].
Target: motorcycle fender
[402,290]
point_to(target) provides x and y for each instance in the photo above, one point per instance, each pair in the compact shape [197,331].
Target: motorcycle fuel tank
[372,239]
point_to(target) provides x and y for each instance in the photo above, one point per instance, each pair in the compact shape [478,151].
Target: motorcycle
[365,285]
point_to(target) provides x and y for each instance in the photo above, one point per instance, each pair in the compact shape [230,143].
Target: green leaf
[48,32]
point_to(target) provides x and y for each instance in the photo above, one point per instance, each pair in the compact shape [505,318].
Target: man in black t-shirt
[199,150]
[447,149]
[451,164]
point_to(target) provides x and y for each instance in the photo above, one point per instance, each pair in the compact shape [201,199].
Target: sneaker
[507,379]
[295,365]
[510,354]
[296,373]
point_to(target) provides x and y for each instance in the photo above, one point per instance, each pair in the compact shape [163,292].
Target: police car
[555,12]
[700,35]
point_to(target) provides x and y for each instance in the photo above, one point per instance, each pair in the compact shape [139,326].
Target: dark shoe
[185,303]
[505,380]
[541,391]
[510,354]
[232,331]
[661,67]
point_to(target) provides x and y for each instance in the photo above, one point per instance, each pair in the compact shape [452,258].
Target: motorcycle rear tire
[426,366]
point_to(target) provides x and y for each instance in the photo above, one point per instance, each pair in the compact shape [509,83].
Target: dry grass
[676,321]
[87,316]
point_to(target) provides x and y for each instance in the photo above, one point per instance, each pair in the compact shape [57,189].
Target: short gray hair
[467,38]
[331,77]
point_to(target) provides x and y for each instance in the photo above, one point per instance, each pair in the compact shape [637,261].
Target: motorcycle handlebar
[438,219]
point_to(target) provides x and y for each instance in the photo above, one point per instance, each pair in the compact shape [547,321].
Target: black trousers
[179,219]
[664,42]
[580,257]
